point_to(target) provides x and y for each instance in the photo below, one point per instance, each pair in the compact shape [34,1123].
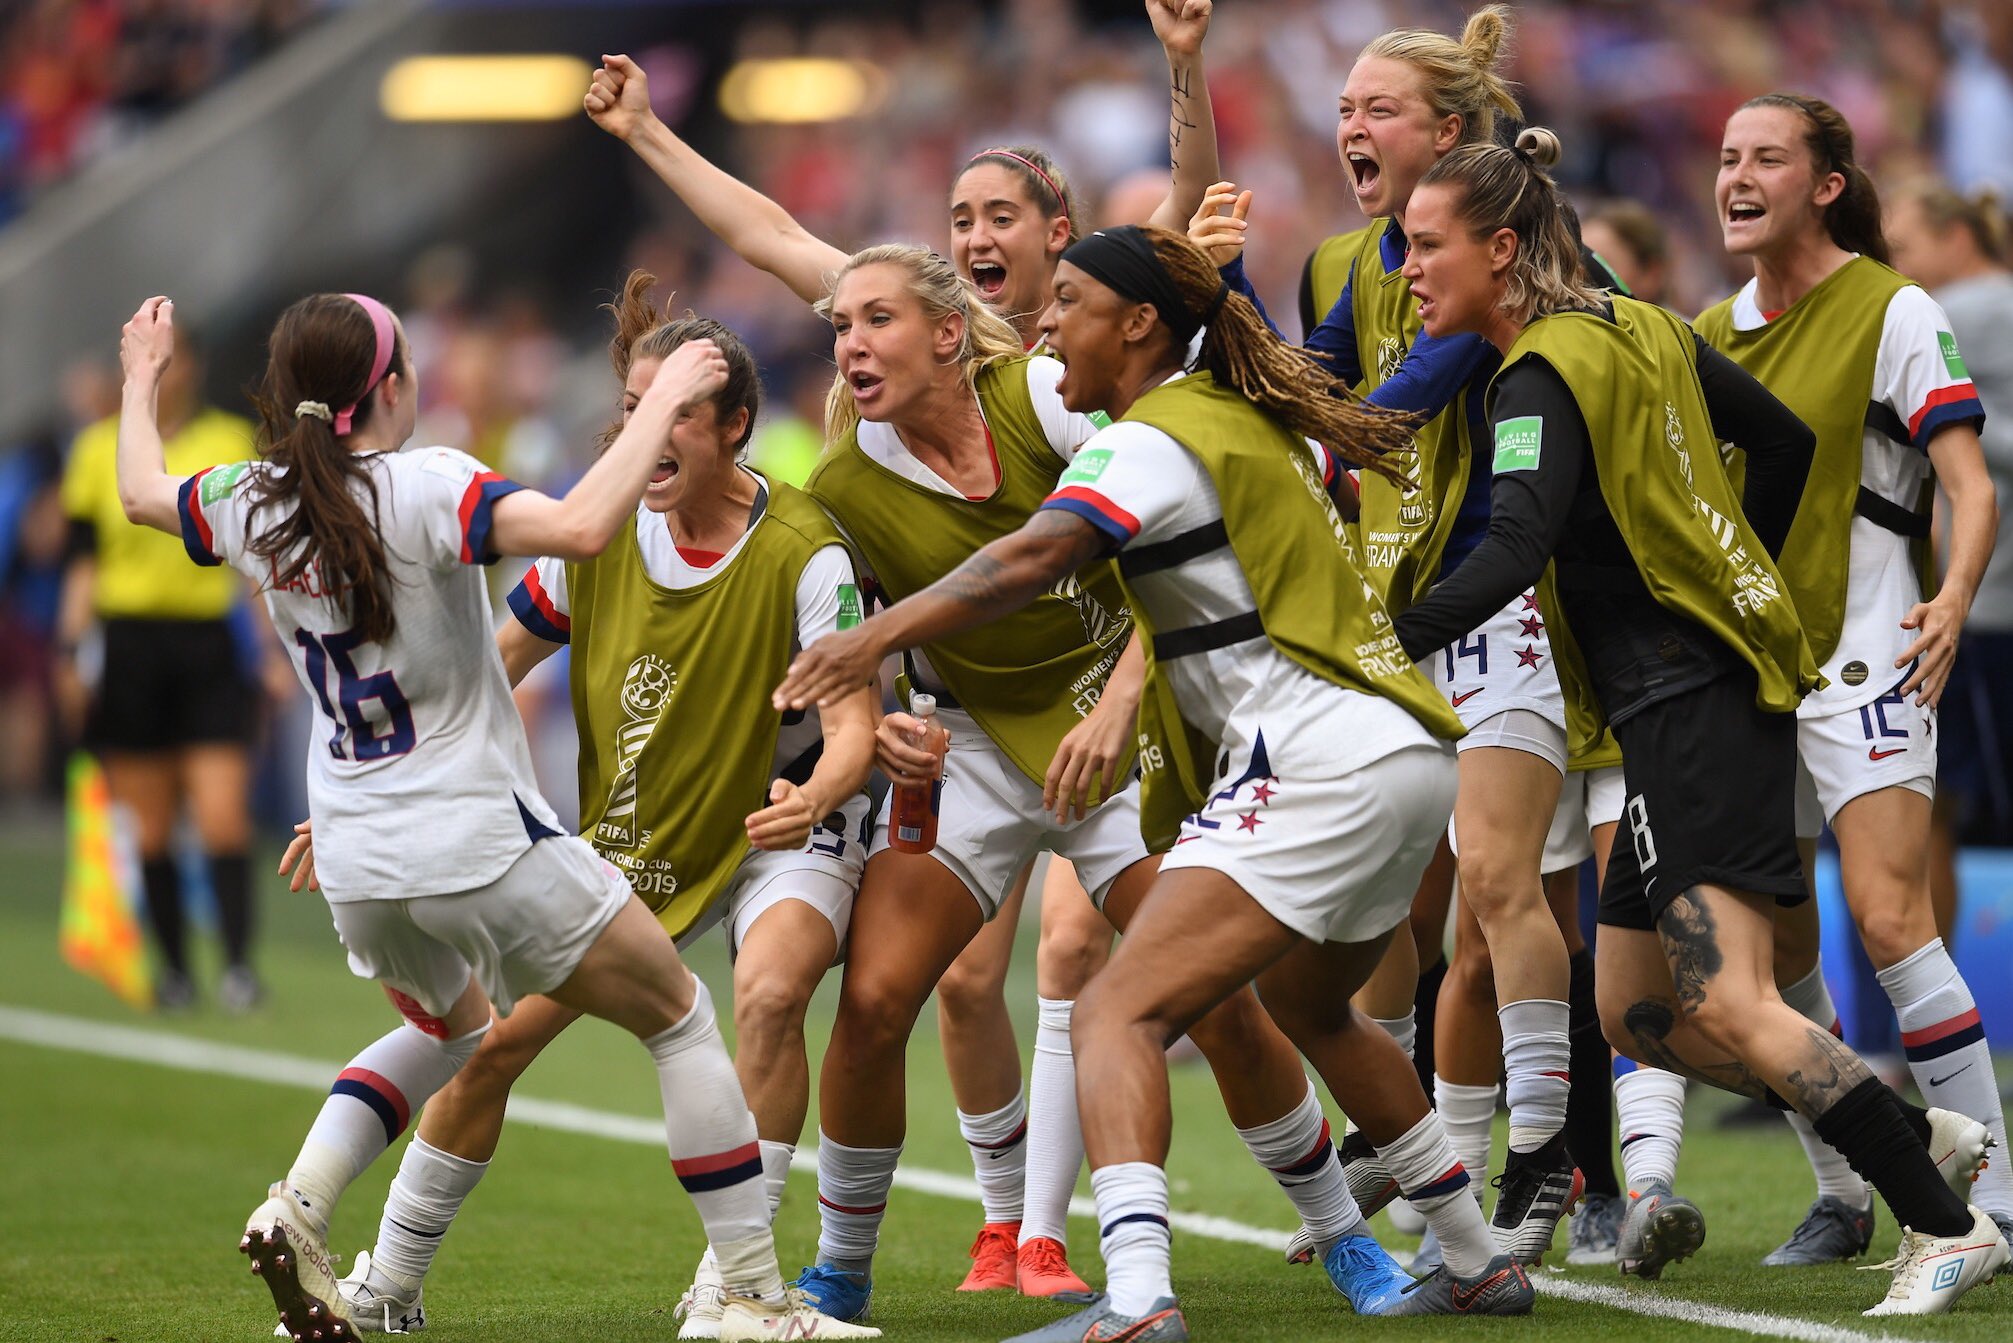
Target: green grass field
[124,1184]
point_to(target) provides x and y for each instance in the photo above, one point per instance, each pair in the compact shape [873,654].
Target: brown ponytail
[321,350]
[643,331]
[1853,219]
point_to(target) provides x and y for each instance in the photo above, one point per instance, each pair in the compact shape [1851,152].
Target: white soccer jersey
[1920,387]
[419,778]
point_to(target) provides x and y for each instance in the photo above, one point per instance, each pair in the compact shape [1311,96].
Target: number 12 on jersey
[352,693]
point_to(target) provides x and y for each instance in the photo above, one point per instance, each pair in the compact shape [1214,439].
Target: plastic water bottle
[912,824]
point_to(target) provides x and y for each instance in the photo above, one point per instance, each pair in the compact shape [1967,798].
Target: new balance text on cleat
[1503,1288]
[1931,1272]
[995,1259]
[1661,1228]
[1535,1190]
[1831,1231]
[1371,1183]
[305,1316]
[744,1319]
[1591,1235]
[1364,1272]
[836,1292]
[376,1305]
[1099,1323]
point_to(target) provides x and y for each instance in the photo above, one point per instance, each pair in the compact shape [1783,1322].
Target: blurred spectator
[31,572]
[1633,243]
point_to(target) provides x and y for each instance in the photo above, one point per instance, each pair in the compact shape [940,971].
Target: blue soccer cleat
[836,1292]
[1363,1272]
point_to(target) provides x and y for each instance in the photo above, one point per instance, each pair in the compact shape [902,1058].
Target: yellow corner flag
[99,935]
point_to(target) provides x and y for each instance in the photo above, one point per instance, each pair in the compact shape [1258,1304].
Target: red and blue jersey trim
[1117,524]
[535,610]
[1958,404]
[476,503]
[197,538]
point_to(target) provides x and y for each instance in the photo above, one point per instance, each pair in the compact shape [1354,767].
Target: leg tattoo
[1691,943]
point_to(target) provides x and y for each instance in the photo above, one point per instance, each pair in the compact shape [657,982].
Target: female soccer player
[674,628]
[1012,211]
[1412,97]
[1310,759]
[1869,361]
[445,872]
[1692,651]
[944,437]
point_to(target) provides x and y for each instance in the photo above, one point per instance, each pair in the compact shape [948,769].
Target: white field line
[186,1053]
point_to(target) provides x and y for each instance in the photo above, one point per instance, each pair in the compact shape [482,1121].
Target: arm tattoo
[1014,570]
[1178,123]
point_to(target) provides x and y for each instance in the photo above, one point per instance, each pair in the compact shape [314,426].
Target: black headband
[1124,259]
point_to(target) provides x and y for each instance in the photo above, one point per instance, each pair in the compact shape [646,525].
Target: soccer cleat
[1363,1272]
[1371,1183]
[1591,1236]
[1958,1145]
[1931,1272]
[1428,1257]
[1300,1249]
[374,1306]
[704,1302]
[1661,1228]
[836,1292]
[1535,1190]
[1099,1323]
[1042,1269]
[1503,1288]
[2004,1221]
[1833,1230]
[747,1317]
[290,1251]
[995,1262]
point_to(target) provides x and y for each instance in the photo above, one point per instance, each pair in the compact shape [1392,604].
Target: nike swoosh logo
[1875,753]
[1458,700]
[1096,1333]
[1939,1081]
[1465,1299]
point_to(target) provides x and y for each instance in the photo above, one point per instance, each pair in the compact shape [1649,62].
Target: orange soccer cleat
[993,1259]
[1045,1270]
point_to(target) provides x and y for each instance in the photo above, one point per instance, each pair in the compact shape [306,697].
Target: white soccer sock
[1405,1030]
[1835,1176]
[1467,1114]
[714,1150]
[1132,1217]
[776,1157]
[1297,1149]
[371,1103]
[1054,1131]
[853,1184]
[1948,1055]
[1537,1062]
[425,1196]
[1437,1184]
[999,1157]
[1649,1110]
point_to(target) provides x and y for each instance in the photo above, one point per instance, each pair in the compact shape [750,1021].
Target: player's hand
[1089,754]
[147,342]
[830,669]
[299,858]
[785,825]
[618,97]
[896,752]
[1218,234]
[695,371]
[1180,24]
[1940,623]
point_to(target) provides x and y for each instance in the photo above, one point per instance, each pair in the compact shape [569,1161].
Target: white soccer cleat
[1931,1272]
[377,1307]
[285,1240]
[704,1303]
[1958,1144]
[749,1318]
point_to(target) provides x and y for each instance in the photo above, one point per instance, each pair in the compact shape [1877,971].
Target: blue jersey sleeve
[1433,374]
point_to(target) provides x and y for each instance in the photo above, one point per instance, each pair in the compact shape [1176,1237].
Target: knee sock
[853,1184]
[1867,1124]
[714,1151]
[1835,1175]
[161,880]
[370,1104]
[1055,1133]
[1948,1055]
[1299,1152]
[1437,1184]
[1132,1221]
[1425,1008]
[1590,1102]
[1405,1030]
[427,1193]
[231,880]
[1537,1061]
[999,1157]
[1649,1107]
[776,1158]
[1466,1114]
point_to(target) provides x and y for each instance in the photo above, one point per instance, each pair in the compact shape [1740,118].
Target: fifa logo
[1390,357]
[1674,435]
[646,690]
[1100,626]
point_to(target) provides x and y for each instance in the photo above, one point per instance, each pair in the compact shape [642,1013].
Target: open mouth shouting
[666,470]
[866,387]
[989,278]
[1364,171]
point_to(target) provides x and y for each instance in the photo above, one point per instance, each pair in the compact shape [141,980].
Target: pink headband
[1030,165]
[381,323]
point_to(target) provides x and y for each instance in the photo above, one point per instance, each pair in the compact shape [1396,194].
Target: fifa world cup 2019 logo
[646,690]
[1674,435]
[1414,510]
[1101,627]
